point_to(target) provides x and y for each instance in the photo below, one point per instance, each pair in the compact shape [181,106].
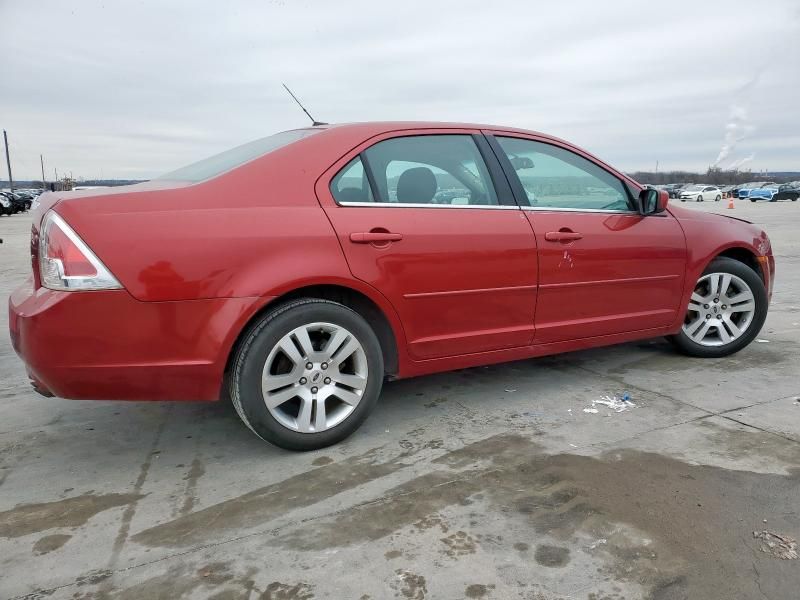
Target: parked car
[25,199]
[700,193]
[19,203]
[762,193]
[675,189]
[787,191]
[735,189]
[728,191]
[744,190]
[296,273]
[5,205]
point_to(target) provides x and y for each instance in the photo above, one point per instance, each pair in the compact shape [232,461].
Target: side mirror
[652,202]
[521,162]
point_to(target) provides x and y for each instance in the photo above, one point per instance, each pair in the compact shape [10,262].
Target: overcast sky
[134,89]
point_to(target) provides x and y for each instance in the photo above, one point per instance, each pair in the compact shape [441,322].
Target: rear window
[235,157]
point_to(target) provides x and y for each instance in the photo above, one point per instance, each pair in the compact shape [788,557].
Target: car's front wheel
[700,198]
[307,374]
[726,311]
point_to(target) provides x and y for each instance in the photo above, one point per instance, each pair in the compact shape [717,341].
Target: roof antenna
[314,122]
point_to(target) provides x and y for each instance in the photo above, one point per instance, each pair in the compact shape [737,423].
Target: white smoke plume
[737,129]
[739,125]
[738,163]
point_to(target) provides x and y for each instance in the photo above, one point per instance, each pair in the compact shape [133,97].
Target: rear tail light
[66,263]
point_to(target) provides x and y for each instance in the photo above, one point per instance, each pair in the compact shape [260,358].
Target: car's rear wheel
[307,374]
[726,311]
[718,198]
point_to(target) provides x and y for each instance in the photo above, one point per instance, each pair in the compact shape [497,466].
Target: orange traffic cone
[730,203]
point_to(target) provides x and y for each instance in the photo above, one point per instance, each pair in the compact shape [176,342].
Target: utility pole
[8,161]
[44,183]
[656,166]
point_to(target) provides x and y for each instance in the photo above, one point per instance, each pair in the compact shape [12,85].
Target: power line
[8,161]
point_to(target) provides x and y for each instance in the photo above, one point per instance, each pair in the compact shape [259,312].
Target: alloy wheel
[314,377]
[720,310]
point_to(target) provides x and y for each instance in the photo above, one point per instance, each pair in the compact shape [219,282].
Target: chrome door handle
[562,236]
[375,237]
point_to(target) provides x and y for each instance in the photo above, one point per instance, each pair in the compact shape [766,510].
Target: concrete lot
[483,483]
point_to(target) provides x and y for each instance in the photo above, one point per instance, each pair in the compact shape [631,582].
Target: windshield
[693,188]
[235,157]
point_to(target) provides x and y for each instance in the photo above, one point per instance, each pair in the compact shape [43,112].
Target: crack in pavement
[130,509]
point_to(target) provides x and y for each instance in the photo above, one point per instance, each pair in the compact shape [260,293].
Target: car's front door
[603,267]
[425,219]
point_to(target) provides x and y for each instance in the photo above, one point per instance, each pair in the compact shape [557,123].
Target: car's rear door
[603,268]
[424,218]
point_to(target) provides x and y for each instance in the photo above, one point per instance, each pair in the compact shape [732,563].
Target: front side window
[430,169]
[553,177]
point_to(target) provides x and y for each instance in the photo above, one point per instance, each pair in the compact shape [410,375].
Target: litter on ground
[779,546]
[617,404]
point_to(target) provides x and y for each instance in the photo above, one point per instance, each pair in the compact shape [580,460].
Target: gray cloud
[135,89]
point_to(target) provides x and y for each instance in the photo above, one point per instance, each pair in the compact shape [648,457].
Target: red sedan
[297,272]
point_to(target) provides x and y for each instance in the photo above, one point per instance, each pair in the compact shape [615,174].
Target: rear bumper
[106,345]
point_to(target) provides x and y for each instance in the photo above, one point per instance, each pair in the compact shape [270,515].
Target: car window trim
[612,211]
[499,180]
[436,206]
[519,191]
[373,186]
[506,200]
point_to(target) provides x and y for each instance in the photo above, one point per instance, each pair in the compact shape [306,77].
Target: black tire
[699,198]
[254,348]
[718,198]
[752,199]
[727,265]
[683,199]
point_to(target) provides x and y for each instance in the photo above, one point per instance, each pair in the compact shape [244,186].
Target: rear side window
[351,183]
[418,170]
[431,169]
[235,157]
